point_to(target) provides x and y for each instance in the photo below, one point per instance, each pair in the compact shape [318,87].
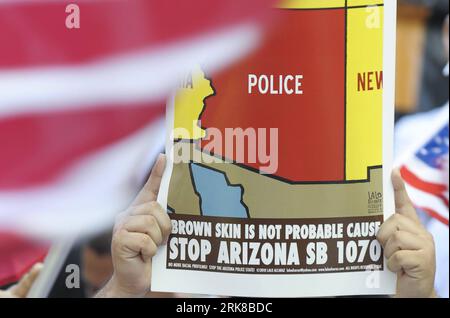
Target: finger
[151,189]
[402,240]
[132,244]
[163,219]
[146,224]
[404,260]
[397,222]
[155,209]
[22,288]
[403,204]
[142,209]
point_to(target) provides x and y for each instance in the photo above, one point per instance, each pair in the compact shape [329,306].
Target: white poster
[278,168]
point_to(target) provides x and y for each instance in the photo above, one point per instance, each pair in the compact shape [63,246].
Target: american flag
[81,109]
[426,174]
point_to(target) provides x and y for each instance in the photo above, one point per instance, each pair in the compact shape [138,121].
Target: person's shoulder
[420,119]
[411,127]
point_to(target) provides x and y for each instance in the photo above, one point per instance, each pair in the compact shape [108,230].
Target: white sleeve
[441,238]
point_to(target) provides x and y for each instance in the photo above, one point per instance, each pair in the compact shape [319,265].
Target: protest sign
[278,172]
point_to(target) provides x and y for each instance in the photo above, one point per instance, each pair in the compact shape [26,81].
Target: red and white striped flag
[17,256]
[81,109]
[426,169]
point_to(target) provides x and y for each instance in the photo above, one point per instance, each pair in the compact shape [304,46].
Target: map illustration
[329,135]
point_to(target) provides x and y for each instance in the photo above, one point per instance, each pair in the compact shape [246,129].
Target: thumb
[22,288]
[403,204]
[150,190]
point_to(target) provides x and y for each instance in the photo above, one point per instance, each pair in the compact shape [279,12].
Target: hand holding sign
[137,234]
[408,247]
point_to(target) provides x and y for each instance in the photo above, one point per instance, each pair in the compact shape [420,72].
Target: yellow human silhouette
[189,103]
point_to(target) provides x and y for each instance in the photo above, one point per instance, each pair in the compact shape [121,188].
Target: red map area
[312,125]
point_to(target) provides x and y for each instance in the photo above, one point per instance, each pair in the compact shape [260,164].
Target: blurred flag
[426,171]
[17,256]
[82,109]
